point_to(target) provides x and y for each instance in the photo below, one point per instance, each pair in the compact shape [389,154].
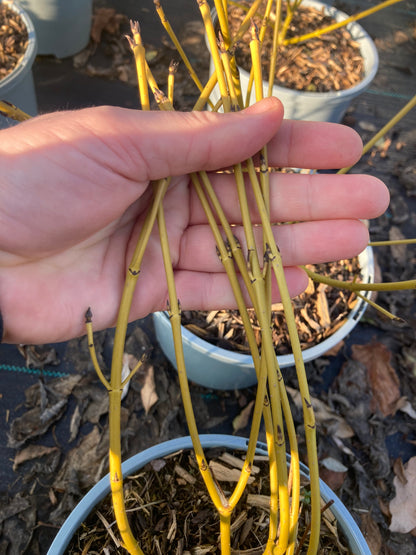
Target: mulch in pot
[170,511]
[330,62]
[319,311]
[13,40]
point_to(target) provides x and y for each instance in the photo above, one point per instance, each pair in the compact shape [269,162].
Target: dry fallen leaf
[382,377]
[85,461]
[399,252]
[105,19]
[31,452]
[148,391]
[325,418]
[371,533]
[241,420]
[403,506]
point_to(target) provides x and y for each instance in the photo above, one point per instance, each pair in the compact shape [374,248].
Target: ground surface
[370,385]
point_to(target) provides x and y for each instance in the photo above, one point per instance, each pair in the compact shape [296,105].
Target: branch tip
[134,26]
[173,66]
[88,315]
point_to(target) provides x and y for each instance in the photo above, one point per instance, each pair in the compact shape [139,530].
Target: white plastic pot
[62,26]
[347,524]
[217,368]
[18,86]
[319,106]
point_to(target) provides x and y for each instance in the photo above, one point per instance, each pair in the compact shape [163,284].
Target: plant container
[62,26]
[346,523]
[217,368]
[319,106]
[18,86]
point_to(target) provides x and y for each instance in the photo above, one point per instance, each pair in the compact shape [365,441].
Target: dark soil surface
[54,410]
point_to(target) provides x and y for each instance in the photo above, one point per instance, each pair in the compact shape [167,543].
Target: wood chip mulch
[330,62]
[13,40]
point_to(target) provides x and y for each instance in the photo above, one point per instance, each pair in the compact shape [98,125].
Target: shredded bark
[170,511]
[319,311]
[13,40]
[331,62]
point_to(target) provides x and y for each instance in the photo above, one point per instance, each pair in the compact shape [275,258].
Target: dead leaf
[31,452]
[399,252]
[367,126]
[38,356]
[332,472]
[371,533]
[105,19]
[322,306]
[403,506]
[84,461]
[125,371]
[148,392]
[241,420]
[409,359]
[382,377]
[325,417]
[400,37]
[398,468]
[13,507]
[405,406]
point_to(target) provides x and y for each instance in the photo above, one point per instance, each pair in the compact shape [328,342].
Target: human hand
[74,193]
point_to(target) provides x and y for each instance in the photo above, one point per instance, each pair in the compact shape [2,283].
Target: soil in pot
[170,511]
[14,39]
[319,312]
[330,62]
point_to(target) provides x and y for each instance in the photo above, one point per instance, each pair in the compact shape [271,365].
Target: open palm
[74,193]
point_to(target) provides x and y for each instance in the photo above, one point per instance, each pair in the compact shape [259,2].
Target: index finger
[314,145]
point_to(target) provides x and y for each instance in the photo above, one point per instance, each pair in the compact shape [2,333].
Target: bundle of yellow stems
[257,273]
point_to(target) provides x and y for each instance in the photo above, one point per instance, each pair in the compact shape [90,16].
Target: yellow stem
[91,348]
[310,426]
[411,104]
[177,44]
[139,55]
[378,307]
[175,320]
[11,111]
[225,528]
[116,475]
[173,66]
[356,286]
[212,39]
[390,243]
[276,34]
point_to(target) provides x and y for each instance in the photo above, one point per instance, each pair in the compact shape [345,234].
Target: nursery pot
[62,26]
[18,86]
[347,524]
[319,106]
[217,368]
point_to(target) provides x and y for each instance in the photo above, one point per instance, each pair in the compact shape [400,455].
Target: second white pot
[217,368]
[319,106]
[62,26]
[18,86]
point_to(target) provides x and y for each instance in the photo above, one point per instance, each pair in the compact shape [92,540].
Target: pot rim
[131,465]
[26,62]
